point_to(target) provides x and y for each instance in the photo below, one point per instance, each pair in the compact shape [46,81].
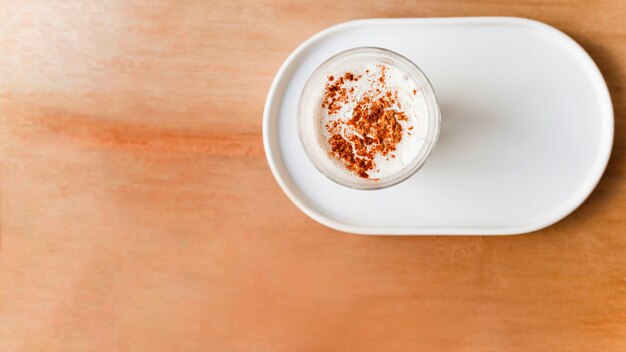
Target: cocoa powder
[373,128]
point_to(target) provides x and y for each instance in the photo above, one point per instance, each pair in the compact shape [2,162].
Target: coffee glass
[309,123]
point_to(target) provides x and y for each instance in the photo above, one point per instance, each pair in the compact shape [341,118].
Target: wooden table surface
[139,214]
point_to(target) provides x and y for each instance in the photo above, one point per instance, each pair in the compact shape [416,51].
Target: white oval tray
[527,128]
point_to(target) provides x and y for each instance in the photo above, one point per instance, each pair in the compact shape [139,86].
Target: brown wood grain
[138,212]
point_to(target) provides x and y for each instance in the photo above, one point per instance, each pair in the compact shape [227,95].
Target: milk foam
[410,99]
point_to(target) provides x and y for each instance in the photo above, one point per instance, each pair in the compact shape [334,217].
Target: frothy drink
[372,119]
